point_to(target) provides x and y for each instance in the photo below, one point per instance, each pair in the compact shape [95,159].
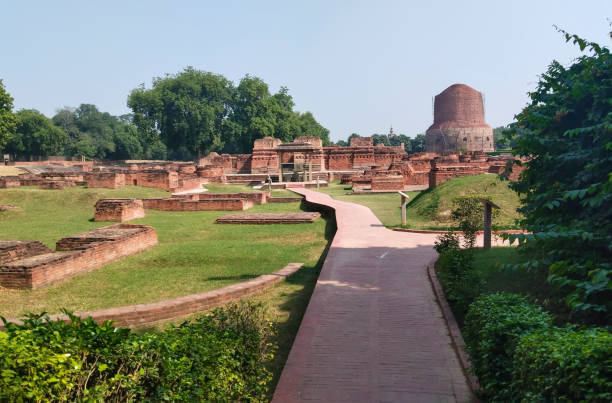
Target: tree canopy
[566,134]
[8,120]
[199,112]
[35,135]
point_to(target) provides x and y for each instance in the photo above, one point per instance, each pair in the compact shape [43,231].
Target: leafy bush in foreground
[493,326]
[216,358]
[564,365]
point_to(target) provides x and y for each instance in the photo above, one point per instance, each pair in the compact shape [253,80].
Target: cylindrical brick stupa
[459,123]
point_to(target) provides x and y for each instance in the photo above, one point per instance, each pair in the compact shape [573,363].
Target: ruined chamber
[459,123]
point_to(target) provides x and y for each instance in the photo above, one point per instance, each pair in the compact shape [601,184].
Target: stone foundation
[269,218]
[9,181]
[81,253]
[111,180]
[56,184]
[255,197]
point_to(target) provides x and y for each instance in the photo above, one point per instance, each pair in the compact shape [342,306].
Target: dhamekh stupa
[459,123]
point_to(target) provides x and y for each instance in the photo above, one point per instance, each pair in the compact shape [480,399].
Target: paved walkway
[373,331]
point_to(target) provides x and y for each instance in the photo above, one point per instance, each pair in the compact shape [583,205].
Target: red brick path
[373,331]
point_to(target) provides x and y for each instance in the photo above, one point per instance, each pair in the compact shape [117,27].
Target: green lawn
[193,254]
[430,209]
[225,188]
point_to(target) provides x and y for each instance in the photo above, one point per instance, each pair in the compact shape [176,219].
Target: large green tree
[566,135]
[8,120]
[195,112]
[184,110]
[36,136]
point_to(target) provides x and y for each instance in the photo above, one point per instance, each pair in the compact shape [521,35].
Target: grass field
[430,209]
[193,254]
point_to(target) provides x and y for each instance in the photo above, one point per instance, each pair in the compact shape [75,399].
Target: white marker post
[405,198]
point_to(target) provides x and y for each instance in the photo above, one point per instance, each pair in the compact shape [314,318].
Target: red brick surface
[373,330]
[82,253]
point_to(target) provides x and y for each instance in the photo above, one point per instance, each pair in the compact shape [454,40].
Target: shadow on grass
[296,303]
[233,278]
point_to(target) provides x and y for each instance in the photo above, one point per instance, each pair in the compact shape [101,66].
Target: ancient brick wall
[176,204]
[9,181]
[119,210]
[74,176]
[111,180]
[15,250]
[211,173]
[155,178]
[361,142]
[391,182]
[84,252]
[56,184]
[255,197]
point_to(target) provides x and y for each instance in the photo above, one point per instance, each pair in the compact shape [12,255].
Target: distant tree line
[411,145]
[181,117]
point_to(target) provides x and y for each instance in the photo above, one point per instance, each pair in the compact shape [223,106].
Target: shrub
[219,357]
[447,241]
[493,326]
[468,213]
[461,282]
[564,365]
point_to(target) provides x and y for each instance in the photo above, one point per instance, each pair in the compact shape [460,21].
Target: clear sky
[358,66]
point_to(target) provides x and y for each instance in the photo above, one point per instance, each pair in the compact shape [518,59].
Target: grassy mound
[436,204]
[430,209]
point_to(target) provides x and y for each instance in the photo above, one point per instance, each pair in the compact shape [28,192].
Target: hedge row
[216,358]
[518,355]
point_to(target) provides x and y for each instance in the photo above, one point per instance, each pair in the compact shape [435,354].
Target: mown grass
[226,188]
[430,209]
[193,254]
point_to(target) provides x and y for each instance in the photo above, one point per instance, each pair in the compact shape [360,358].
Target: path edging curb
[453,327]
[149,313]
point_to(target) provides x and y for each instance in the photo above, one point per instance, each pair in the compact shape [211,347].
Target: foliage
[201,112]
[446,242]
[564,365]
[8,120]
[219,357]
[95,134]
[494,325]
[468,213]
[462,284]
[566,135]
[394,141]
[35,135]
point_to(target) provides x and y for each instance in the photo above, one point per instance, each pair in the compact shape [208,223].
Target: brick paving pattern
[373,331]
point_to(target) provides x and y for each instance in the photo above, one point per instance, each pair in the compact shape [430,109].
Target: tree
[566,188]
[418,144]
[310,127]
[185,110]
[36,136]
[8,120]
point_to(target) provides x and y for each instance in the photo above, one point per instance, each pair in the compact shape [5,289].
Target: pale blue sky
[359,66]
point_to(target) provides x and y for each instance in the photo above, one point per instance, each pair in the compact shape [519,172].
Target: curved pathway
[373,331]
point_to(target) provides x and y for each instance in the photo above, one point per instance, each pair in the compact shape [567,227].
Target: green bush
[493,326]
[448,241]
[461,282]
[219,357]
[564,365]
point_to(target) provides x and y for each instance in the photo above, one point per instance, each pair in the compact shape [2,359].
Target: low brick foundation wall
[55,185]
[284,199]
[15,250]
[269,218]
[144,314]
[255,197]
[176,204]
[111,180]
[387,183]
[119,210]
[9,181]
[82,253]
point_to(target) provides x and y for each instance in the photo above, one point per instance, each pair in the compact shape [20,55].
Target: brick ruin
[30,264]
[118,210]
